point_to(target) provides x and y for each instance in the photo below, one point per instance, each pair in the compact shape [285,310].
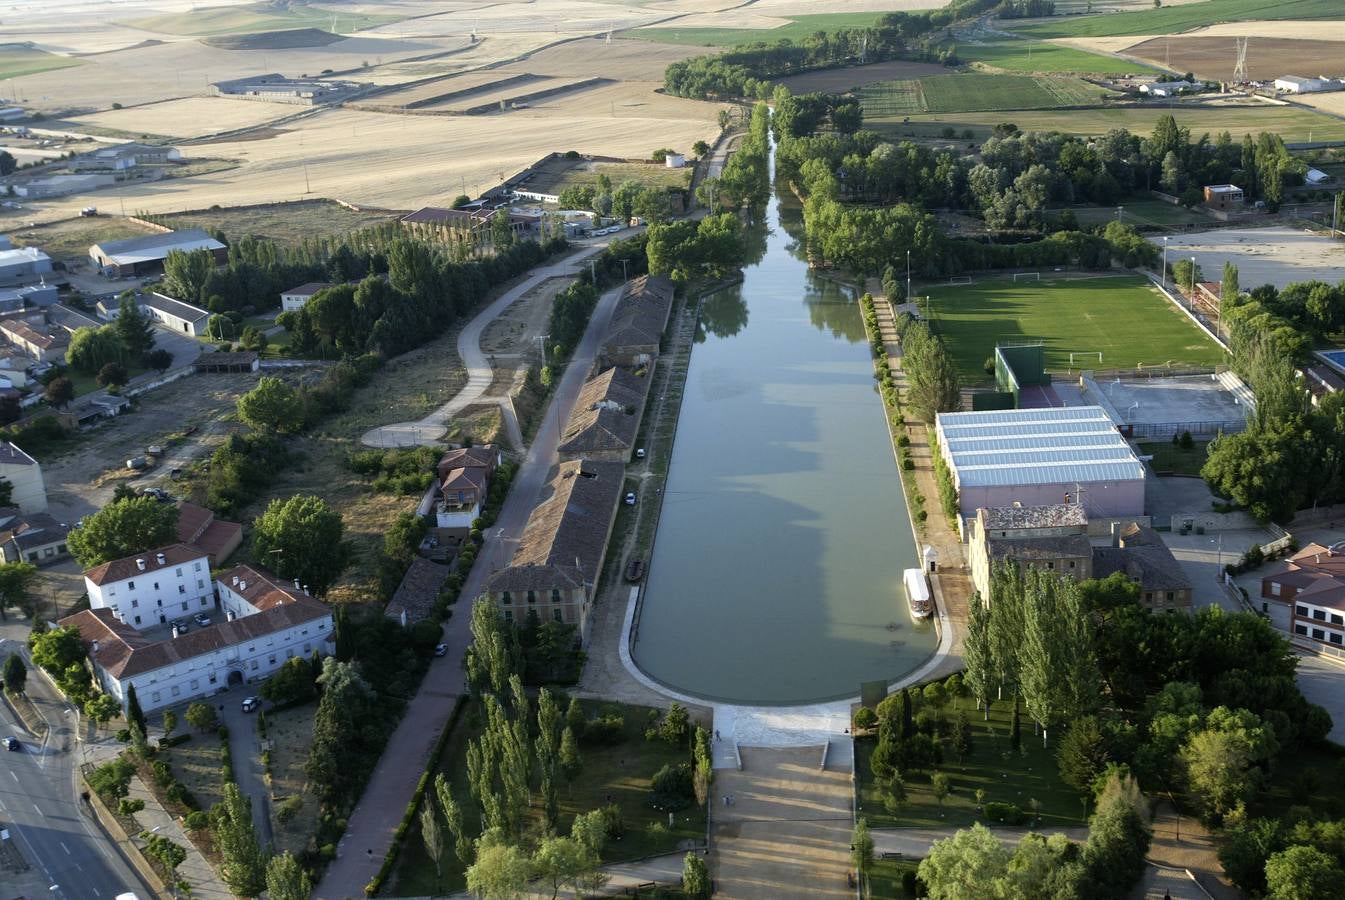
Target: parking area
[1277,256]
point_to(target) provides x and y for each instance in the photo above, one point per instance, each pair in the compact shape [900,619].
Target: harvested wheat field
[450,87]
[552,17]
[189,118]
[1212,57]
[404,162]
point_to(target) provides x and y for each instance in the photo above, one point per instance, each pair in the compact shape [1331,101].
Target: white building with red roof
[153,588]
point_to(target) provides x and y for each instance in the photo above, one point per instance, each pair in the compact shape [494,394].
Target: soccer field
[1122,317]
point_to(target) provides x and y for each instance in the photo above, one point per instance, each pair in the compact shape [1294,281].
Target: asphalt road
[40,805]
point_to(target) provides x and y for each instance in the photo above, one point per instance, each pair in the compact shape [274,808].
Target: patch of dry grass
[289,733]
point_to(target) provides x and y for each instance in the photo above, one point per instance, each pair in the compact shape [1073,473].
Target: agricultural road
[479,372]
[369,832]
[52,829]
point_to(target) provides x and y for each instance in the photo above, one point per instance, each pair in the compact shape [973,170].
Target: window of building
[273,660]
[1148,597]
[135,604]
[1274,589]
[1336,619]
[557,614]
[196,684]
[154,698]
[308,648]
[1050,565]
[60,548]
[32,557]
[1300,629]
[1319,614]
[254,665]
[198,567]
[1319,634]
[1300,609]
[509,615]
[555,595]
[159,601]
[130,585]
[137,620]
[200,584]
[203,602]
[213,678]
[1335,638]
[48,552]
[532,596]
[1169,596]
[184,605]
[506,598]
[176,690]
[156,585]
[182,589]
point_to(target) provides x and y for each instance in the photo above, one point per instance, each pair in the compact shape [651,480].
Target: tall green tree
[560,861]
[134,714]
[286,879]
[272,406]
[134,328]
[462,841]
[494,652]
[1229,292]
[1118,838]
[501,870]
[15,674]
[432,837]
[124,528]
[186,274]
[16,579]
[695,877]
[302,537]
[244,861]
[1302,873]
[978,655]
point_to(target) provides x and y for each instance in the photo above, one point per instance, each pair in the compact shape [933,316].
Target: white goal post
[1087,353]
[959,279]
[1028,276]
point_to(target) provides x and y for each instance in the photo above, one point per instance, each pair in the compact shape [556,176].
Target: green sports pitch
[1121,317]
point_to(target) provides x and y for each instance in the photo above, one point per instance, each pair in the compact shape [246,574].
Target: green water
[776,572]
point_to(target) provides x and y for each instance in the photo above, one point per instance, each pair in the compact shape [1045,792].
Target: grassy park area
[1154,213]
[991,765]
[1171,459]
[612,773]
[1121,317]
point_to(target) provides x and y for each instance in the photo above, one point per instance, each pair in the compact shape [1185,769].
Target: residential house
[1224,196]
[14,370]
[16,298]
[1052,537]
[216,538]
[153,588]
[25,474]
[554,573]
[1139,553]
[37,538]
[638,322]
[35,337]
[266,623]
[464,478]
[476,221]
[416,596]
[606,417]
[295,298]
[1312,582]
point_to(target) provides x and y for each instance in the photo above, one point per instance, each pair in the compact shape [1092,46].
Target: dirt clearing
[69,241]
[189,118]
[288,224]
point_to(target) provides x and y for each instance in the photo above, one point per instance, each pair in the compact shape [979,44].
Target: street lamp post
[1165,262]
[1193,279]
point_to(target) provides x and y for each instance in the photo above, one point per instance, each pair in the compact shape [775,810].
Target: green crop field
[1141,212]
[1176,19]
[22,59]
[1291,123]
[1039,56]
[799,27]
[258,17]
[1120,316]
[971,91]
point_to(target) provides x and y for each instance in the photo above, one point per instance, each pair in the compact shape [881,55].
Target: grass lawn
[1121,316]
[799,27]
[1039,56]
[287,224]
[24,59]
[1174,19]
[618,774]
[290,732]
[1005,776]
[86,384]
[1169,459]
[197,764]
[258,17]
[1291,123]
[1141,212]
[1305,783]
[969,91]
[885,878]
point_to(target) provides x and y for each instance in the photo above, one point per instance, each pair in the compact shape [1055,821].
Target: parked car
[635,571]
[639,453]
[202,619]
[182,626]
[250,704]
[12,744]
[630,498]
[441,649]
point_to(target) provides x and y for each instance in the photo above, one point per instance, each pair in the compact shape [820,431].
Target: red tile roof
[128,567]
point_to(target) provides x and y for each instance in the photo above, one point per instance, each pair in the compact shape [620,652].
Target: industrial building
[144,255]
[174,314]
[276,88]
[1039,457]
[124,157]
[23,265]
[295,299]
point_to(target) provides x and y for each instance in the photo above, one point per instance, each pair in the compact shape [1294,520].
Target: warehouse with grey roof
[1038,457]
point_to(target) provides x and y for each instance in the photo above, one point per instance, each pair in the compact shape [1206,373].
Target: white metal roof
[1036,446]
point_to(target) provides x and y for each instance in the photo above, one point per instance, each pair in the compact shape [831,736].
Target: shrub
[197,820]
[865,717]
[1004,813]
[672,787]
[163,773]
[128,806]
[288,809]
[903,441]
[607,730]
[908,464]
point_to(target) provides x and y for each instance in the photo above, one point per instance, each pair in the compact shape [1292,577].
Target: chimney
[305,589]
[235,581]
[175,632]
[242,586]
[229,615]
[140,564]
[161,558]
[296,584]
[95,648]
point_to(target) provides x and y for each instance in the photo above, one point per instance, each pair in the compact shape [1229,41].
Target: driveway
[1203,556]
[245,750]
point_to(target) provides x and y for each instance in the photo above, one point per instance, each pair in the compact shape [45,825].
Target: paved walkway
[479,371]
[194,870]
[369,833]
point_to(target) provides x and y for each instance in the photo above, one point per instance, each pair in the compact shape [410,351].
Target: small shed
[222,362]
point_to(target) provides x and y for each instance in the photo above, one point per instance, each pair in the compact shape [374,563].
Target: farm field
[19,59]
[511,92]
[448,87]
[188,118]
[257,17]
[1045,57]
[585,173]
[1291,123]
[1207,56]
[794,28]
[969,91]
[287,224]
[1175,19]
[844,79]
[1121,317]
